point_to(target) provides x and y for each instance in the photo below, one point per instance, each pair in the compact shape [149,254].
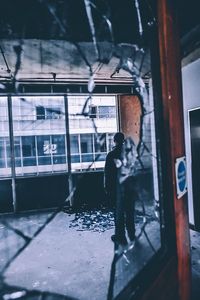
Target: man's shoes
[132,239]
[131,235]
[120,241]
[113,238]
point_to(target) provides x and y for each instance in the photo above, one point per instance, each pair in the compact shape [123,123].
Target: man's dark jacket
[110,171]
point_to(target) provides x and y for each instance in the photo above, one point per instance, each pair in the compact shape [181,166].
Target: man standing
[120,186]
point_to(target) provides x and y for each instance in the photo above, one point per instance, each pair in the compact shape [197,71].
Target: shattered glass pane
[91,52]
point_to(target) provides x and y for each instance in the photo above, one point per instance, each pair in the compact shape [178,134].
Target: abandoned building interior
[72,74]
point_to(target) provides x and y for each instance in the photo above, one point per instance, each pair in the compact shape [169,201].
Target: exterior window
[86,151]
[53,113]
[5,162]
[40,112]
[58,153]
[43,113]
[93,112]
[28,151]
[100,147]
[75,155]
[7,141]
[86,148]
[40,134]
[102,112]
[17,151]
[45,148]
[2,153]
[107,112]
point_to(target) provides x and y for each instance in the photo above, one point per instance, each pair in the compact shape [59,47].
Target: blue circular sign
[181,176]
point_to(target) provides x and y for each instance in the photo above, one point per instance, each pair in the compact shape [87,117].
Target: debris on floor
[99,219]
[93,220]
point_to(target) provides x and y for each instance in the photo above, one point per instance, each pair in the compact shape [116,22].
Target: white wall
[191,100]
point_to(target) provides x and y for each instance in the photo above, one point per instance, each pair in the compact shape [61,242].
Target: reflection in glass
[39,134]
[5,162]
[28,151]
[44,148]
[107,112]
[74,144]
[58,149]
[86,143]
[90,131]
[115,58]
[138,160]
[17,148]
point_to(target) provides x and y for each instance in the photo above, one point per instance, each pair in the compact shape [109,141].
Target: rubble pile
[93,220]
[100,220]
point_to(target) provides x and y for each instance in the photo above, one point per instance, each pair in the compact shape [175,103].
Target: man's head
[119,138]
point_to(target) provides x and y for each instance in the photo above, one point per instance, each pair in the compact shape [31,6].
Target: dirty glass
[39,133]
[5,162]
[98,117]
[73,85]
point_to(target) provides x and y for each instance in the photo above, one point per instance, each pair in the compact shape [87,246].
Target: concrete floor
[70,264]
[63,261]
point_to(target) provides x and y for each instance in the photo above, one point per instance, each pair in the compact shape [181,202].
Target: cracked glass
[67,88]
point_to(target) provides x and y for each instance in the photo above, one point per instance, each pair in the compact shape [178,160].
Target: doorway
[194,119]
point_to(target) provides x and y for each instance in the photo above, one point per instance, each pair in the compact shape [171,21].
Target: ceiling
[65,41]
[59,60]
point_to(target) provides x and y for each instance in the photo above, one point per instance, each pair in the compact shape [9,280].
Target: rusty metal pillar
[170,68]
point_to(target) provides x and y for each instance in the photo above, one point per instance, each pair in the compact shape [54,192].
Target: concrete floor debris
[93,220]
